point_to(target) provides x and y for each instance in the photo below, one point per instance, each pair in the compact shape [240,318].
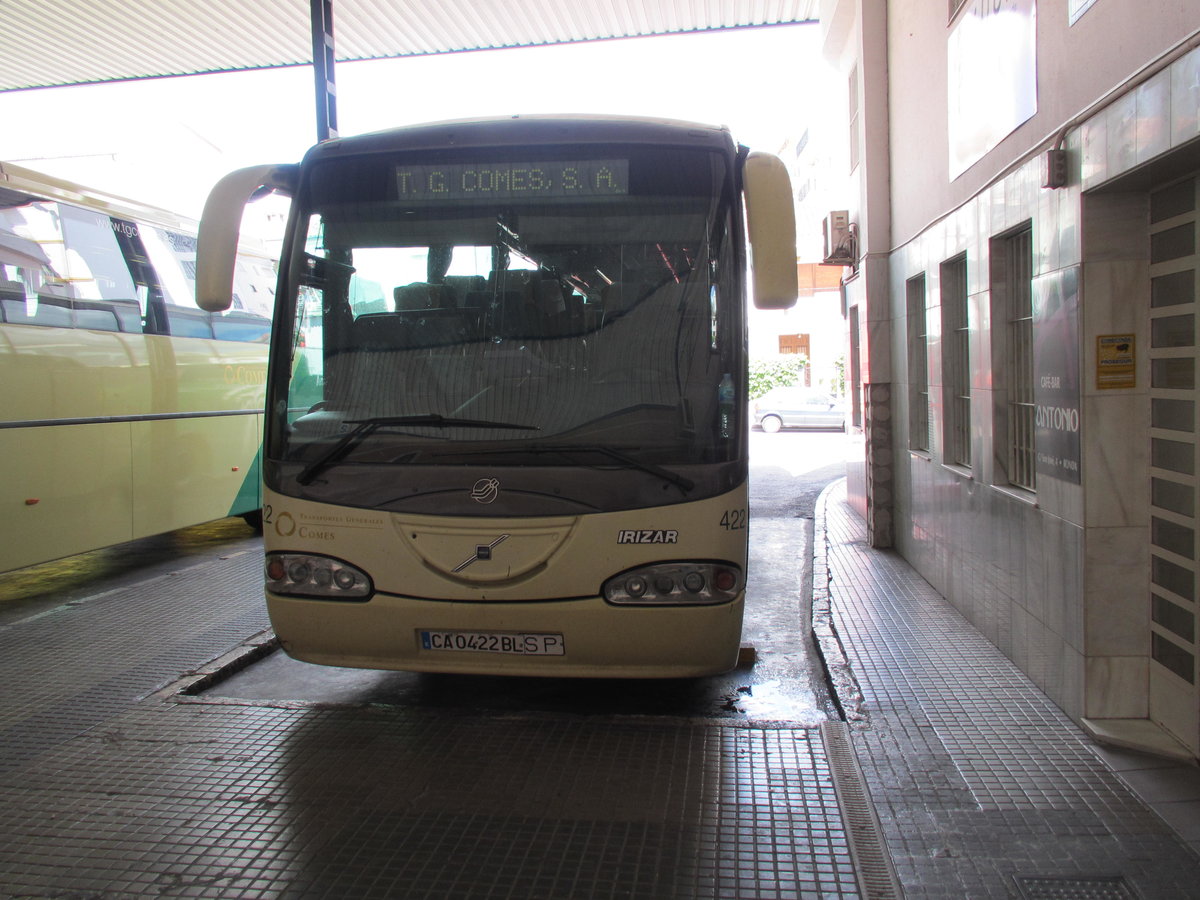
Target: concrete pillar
[877,413]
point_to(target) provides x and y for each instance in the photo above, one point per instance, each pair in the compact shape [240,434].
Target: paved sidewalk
[984,788]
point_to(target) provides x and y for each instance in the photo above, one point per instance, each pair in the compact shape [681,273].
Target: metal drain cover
[1075,887]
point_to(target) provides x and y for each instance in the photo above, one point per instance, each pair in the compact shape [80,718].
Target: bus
[127,410]
[506,403]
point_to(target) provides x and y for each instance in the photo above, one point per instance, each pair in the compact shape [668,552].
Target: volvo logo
[482,551]
[485,490]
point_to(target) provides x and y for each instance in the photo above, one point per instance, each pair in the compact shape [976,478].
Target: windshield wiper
[684,484]
[365,427]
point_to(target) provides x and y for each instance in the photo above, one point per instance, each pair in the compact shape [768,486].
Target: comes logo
[486,490]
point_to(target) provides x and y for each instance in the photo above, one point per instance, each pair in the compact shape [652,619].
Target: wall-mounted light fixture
[1054,168]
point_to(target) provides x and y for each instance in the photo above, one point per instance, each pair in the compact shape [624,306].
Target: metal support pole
[326,90]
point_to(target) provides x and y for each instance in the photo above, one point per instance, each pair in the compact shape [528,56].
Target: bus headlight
[675,584]
[307,575]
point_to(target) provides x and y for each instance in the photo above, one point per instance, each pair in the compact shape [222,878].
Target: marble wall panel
[1114,227]
[1185,98]
[1057,561]
[1069,232]
[1153,127]
[1032,593]
[1122,134]
[1116,575]
[1117,297]
[1073,677]
[1046,257]
[1116,459]
[1116,687]
[1093,153]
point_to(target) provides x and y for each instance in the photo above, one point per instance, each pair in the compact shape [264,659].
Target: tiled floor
[234,802]
[112,787]
[983,786]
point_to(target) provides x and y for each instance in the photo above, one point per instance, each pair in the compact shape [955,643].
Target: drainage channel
[1101,887]
[872,862]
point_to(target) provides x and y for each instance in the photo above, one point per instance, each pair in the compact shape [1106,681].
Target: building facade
[1023,187]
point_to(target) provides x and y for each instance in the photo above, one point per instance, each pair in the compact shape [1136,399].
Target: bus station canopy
[48,43]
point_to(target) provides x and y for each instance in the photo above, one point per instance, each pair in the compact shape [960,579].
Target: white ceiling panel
[45,43]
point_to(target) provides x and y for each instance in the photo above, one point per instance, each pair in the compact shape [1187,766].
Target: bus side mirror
[220,226]
[771,228]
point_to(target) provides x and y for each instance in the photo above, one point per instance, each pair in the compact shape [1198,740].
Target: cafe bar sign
[1056,387]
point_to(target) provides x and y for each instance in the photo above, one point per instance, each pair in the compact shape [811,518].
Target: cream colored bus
[506,425]
[127,410]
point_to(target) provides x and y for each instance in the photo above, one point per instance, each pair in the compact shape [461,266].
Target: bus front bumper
[586,637]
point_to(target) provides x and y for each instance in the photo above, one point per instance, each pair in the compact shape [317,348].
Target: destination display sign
[552,180]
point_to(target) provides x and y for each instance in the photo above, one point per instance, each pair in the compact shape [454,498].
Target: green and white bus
[127,410]
[506,420]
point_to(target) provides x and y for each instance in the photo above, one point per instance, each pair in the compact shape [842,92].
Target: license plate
[507,642]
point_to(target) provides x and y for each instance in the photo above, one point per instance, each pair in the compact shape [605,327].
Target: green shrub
[778,371]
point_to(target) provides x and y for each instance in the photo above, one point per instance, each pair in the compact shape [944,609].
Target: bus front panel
[514,350]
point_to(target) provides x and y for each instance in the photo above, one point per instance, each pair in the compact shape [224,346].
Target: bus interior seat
[440,327]
[461,286]
[362,372]
[411,329]
[630,341]
[380,331]
[510,319]
[514,309]
[422,295]
[550,307]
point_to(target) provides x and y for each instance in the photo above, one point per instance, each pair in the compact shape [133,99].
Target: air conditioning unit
[839,239]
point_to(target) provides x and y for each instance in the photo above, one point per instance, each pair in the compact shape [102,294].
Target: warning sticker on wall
[1116,361]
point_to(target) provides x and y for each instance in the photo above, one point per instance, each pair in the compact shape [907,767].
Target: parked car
[798,407]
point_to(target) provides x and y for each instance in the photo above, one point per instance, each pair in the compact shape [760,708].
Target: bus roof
[47,187]
[521,130]
[18,179]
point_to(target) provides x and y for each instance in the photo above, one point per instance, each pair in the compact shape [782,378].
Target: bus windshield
[570,321]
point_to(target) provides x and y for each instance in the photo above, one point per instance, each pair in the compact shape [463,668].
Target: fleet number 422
[734,519]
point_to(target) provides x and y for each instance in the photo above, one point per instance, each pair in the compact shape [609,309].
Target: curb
[843,686]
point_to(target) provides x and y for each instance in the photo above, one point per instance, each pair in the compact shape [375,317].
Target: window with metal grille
[1012,305]
[918,365]
[794,344]
[956,363]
